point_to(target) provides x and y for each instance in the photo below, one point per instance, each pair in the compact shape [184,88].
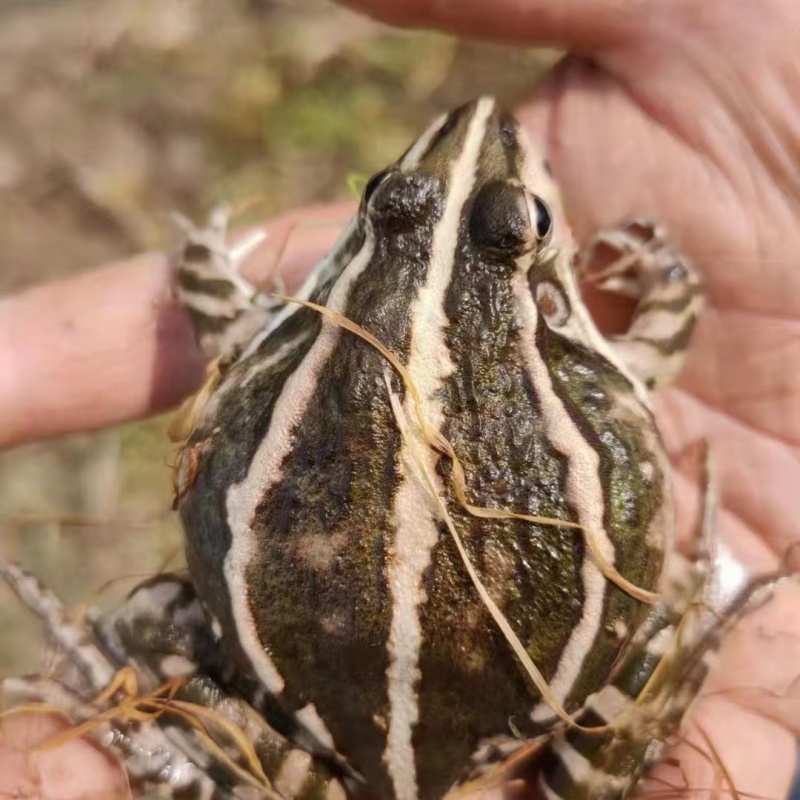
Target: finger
[722,737]
[113,344]
[760,668]
[578,25]
[76,769]
[92,350]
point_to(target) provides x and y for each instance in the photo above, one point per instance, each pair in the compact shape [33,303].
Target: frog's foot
[225,308]
[145,751]
[637,261]
[643,706]
[149,755]
[158,635]
[497,764]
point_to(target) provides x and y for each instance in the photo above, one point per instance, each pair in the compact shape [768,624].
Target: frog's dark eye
[373,183]
[544,219]
[404,200]
[499,220]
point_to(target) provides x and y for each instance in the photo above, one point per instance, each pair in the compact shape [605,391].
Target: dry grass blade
[722,771]
[133,708]
[437,441]
[183,423]
[162,700]
[497,615]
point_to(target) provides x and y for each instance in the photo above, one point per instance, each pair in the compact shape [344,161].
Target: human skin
[682,110]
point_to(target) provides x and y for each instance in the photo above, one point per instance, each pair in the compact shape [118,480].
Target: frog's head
[475,183]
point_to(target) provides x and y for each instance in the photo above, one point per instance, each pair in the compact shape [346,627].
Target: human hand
[689,112]
[680,110]
[78,769]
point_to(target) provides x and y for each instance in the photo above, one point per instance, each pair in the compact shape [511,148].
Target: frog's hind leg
[636,260]
[644,704]
[226,310]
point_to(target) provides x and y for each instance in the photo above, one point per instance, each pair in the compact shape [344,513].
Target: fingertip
[92,350]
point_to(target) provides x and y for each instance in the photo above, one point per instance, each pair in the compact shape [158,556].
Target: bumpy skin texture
[703,134]
[335,521]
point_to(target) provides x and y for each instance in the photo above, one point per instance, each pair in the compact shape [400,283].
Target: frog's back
[313,538]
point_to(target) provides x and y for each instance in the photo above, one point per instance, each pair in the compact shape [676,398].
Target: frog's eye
[544,219]
[373,183]
[499,220]
[402,201]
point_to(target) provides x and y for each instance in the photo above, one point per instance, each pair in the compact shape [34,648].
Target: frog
[316,524]
[427,509]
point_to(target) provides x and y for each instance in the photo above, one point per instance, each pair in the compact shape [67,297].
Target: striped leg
[635,714]
[580,765]
[637,261]
[160,633]
[605,766]
[226,310]
[644,704]
[161,629]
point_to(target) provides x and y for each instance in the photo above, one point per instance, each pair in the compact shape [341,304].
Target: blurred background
[118,113]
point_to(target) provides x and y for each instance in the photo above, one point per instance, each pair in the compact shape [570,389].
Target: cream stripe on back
[265,470]
[429,365]
[584,492]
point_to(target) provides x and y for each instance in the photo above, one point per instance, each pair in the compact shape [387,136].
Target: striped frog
[331,539]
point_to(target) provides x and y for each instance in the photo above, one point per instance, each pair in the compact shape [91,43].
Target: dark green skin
[327,630]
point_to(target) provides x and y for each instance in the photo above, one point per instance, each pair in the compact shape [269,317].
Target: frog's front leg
[225,308]
[636,260]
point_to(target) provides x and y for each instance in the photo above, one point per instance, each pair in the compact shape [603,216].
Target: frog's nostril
[508,129]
